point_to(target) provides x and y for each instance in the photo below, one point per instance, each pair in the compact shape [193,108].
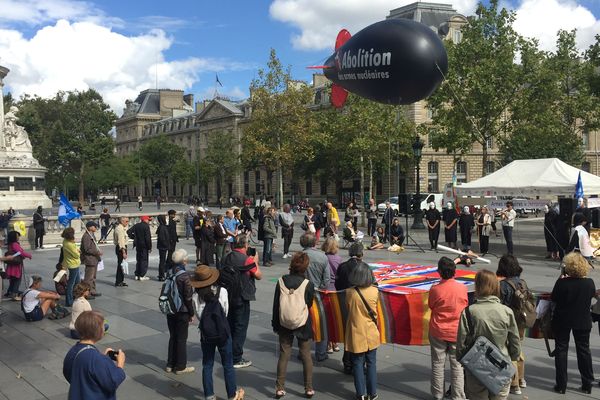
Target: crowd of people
[219,289]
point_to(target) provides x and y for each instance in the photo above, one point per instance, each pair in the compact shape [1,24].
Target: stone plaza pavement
[31,354]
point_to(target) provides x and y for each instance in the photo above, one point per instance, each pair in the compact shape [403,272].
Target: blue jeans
[189,228]
[74,279]
[208,360]
[321,348]
[508,230]
[358,370]
[239,318]
[267,250]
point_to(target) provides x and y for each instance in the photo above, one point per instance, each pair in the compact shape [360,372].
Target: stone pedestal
[22,178]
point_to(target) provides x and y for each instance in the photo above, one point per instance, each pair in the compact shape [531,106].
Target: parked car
[108,197]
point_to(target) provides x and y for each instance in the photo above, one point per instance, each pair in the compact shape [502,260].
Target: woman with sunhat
[206,291]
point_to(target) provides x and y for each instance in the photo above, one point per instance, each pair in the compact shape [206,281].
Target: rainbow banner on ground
[402,312]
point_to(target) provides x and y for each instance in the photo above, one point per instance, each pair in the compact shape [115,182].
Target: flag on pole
[579,188]
[217,80]
[66,212]
[454,183]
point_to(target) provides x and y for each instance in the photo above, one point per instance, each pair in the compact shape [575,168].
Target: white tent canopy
[529,178]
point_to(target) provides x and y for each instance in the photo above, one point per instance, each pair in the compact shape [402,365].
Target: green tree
[184,172]
[157,158]
[113,173]
[278,134]
[470,106]
[552,107]
[222,161]
[70,133]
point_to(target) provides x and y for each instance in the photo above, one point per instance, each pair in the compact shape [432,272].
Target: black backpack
[214,327]
[229,278]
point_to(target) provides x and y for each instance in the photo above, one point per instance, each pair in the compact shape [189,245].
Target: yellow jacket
[332,216]
[362,333]
[70,255]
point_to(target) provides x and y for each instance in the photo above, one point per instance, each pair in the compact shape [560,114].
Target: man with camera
[243,260]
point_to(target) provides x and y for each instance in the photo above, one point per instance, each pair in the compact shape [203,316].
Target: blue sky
[119,46]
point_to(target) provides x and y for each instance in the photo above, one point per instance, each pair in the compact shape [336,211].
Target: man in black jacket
[388,218]
[142,241]
[39,227]
[163,244]
[173,238]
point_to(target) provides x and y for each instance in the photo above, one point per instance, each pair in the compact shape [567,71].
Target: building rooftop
[430,14]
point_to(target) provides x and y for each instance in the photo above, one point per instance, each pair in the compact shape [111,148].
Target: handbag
[372,315]
[17,260]
[492,368]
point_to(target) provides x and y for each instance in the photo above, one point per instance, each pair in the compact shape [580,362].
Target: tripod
[408,237]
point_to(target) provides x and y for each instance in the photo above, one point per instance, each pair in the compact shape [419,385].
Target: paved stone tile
[126,329]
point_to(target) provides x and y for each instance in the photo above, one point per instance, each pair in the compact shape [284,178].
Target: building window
[489,143]
[378,187]
[585,140]
[456,36]
[4,183]
[432,177]
[308,191]
[257,182]
[461,172]
[23,184]
[323,187]
[585,166]
[490,167]
[246,183]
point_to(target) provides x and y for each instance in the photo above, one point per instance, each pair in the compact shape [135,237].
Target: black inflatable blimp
[396,61]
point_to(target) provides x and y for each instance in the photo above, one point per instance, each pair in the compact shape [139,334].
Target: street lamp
[417,148]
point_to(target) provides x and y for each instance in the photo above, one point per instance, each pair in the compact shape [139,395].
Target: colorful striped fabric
[403,313]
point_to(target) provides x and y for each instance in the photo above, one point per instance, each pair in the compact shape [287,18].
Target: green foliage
[157,157]
[70,133]
[278,134]
[184,172]
[8,101]
[113,173]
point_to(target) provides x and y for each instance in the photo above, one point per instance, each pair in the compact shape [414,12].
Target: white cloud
[81,55]
[35,12]
[319,21]
[542,19]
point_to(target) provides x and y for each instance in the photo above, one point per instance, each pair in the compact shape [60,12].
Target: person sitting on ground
[396,233]
[91,374]
[61,285]
[375,243]
[36,303]
[81,292]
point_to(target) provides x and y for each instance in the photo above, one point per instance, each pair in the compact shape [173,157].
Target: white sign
[593,202]
[520,204]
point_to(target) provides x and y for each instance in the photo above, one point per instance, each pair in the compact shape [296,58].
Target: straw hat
[204,276]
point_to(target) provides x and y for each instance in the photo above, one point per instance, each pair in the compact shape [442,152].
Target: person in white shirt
[204,281]
[36,303]
[580,240]
[80,304]
[508,222]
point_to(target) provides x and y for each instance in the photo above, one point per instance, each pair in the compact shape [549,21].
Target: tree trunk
[81,184]
[371,195]
[362,190]
[484,158]
[279,173]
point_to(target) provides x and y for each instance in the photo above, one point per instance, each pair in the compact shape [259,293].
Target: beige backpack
[293,311]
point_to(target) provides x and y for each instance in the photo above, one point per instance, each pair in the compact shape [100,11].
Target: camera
[112,354]
[251,252]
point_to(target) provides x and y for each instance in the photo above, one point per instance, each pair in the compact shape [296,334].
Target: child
[375,243]
[61,285]
[81,292]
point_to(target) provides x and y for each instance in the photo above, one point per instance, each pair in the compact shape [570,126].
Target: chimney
[189,99]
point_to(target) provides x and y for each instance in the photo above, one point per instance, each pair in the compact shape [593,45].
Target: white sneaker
[144,278]
[515,390]
[137,278]
[285,256]
[187,370]
[522,383]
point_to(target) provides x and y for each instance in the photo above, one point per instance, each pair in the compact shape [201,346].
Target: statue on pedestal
[13,136]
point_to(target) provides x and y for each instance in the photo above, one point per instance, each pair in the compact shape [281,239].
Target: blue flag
[579,188]
[66,212]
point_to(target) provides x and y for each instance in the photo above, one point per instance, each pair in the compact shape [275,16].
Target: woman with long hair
[15,267]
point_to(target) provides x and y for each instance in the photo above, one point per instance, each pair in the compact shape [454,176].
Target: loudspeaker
[567,208]
[595,217]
